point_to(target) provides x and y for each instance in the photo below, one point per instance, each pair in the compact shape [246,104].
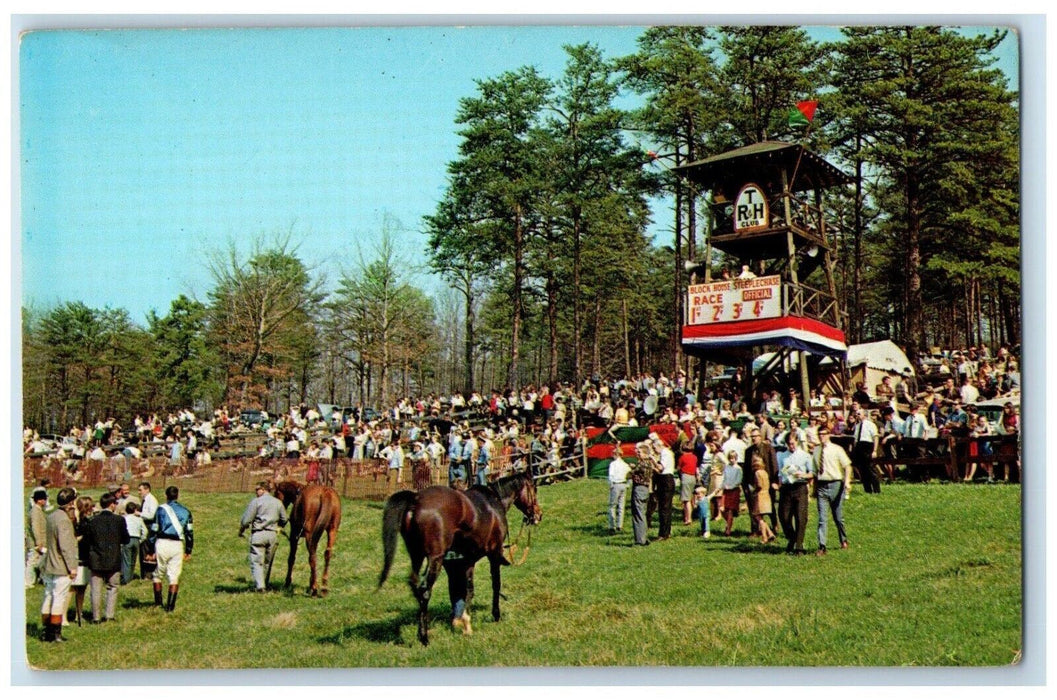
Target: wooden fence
[355,479]
[946,457]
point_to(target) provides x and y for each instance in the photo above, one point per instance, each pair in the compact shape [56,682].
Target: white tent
[869,363]
[883,356]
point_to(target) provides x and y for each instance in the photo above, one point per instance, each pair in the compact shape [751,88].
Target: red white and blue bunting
[790,331]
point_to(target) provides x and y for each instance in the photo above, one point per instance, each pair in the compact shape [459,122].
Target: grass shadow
[136,603]
[382,632]
[751,547]
[241,585]
[596,531]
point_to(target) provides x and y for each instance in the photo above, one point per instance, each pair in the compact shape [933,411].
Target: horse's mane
[287,491]
[510,484]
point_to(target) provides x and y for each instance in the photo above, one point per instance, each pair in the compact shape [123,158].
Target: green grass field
[932,578]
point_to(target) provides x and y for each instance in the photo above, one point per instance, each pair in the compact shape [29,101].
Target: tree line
[542,232]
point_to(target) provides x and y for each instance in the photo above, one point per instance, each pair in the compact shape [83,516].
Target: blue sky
[144,150]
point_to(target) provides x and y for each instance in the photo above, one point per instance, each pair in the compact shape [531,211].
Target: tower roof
[764,161]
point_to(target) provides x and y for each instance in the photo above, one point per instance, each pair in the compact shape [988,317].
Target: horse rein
[512,547]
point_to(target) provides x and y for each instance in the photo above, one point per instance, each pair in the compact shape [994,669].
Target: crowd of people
[776,456]
[766,456]
[538,421]
[714,468]
[83,547]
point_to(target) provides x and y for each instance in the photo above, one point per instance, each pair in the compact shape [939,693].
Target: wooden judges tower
[767,211]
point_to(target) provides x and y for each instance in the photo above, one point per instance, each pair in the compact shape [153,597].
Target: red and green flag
[803,114]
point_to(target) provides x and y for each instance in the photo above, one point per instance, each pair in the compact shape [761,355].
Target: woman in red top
[687,466]
[1009,419]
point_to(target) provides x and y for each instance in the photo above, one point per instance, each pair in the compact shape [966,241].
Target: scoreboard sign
[750,209]
[734,300]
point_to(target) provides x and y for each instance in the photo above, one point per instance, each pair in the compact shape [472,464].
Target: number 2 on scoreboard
[716,311]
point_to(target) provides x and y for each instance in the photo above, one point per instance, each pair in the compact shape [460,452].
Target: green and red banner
[803,114]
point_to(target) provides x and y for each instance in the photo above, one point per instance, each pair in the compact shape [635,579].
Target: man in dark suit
[105,534]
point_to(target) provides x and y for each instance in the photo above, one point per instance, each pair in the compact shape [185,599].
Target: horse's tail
[329,510]
[395,509]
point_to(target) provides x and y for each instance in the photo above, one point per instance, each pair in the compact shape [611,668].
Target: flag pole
[800,155]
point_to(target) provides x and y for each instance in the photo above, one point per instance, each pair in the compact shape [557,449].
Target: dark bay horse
[445,526]
[317,509]
[287,491]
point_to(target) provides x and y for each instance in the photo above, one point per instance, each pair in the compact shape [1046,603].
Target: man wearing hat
[36,534]
[264,516]
[484,460]
[466,450]
[60,564]
[420,462]
[641,485]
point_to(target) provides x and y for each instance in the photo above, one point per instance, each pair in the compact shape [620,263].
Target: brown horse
[317,509]
[445,526]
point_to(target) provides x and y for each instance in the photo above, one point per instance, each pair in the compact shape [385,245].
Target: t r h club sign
[750,209]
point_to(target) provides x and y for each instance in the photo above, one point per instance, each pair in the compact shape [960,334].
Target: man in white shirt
[832,486]
[618,487]
[969,392]
[147,511]
[914,429]
[737,444]
[393,453]
[863,450]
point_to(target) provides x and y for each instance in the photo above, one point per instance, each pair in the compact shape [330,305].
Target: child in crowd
[731,490]
[701,504]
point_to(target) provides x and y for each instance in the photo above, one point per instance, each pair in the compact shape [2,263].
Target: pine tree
[931,110]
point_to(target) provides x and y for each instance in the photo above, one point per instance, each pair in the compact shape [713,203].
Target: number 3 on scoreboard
[716,311]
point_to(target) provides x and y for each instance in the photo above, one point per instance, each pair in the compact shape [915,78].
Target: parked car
[251,417]
[992,409]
